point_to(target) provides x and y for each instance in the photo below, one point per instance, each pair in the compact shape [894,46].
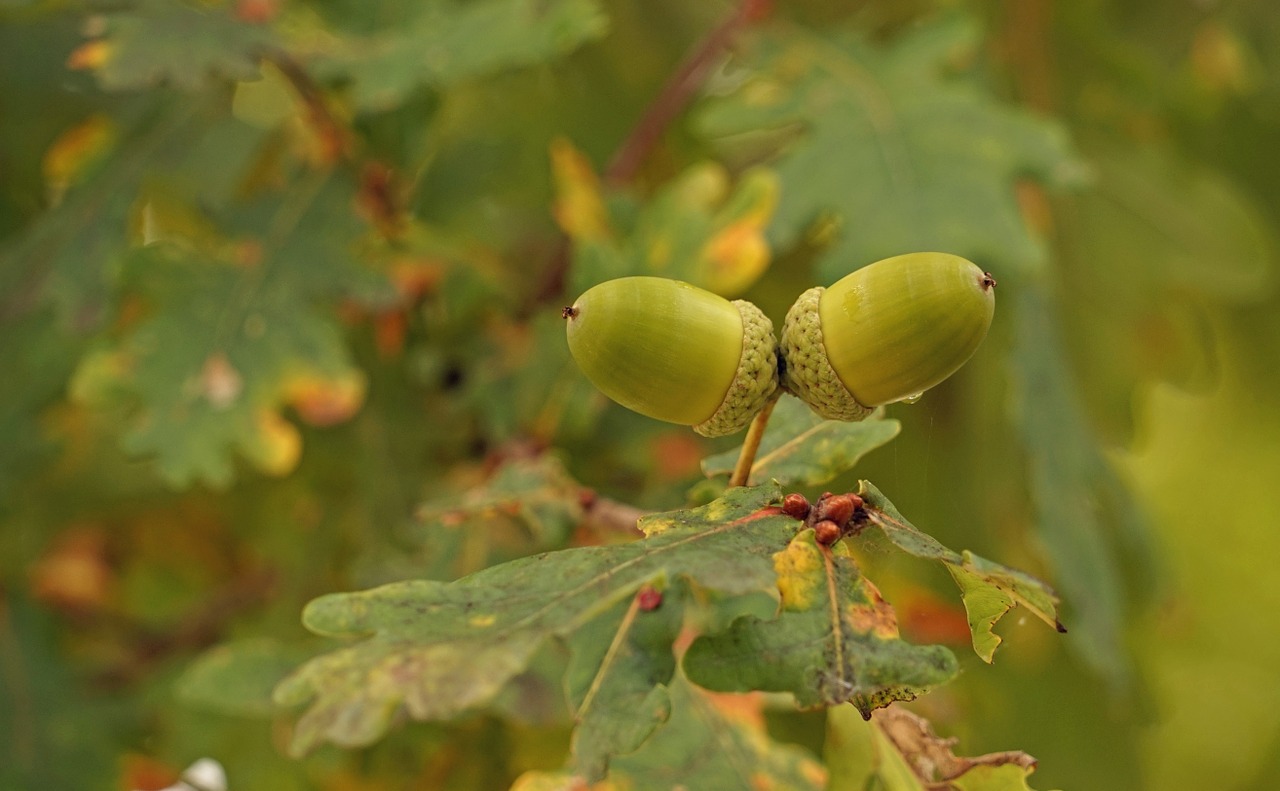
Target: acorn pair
[884,333]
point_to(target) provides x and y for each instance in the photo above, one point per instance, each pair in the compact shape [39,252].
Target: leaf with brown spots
[433,650]
[836,639]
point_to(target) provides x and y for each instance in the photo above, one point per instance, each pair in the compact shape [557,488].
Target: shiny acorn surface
[660,347]
[885,332]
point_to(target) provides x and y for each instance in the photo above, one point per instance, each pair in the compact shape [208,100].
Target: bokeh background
[279,296]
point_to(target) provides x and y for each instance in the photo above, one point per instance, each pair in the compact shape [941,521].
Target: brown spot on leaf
[875,617]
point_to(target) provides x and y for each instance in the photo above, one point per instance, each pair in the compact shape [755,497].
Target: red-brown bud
[826,532]
[795,506]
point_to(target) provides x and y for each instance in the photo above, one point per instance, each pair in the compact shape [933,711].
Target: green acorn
[885,333]
[675,352]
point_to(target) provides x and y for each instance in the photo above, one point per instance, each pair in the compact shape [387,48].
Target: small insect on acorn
[675,352]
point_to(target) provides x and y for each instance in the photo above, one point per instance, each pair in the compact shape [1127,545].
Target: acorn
[675,352]
[885,333]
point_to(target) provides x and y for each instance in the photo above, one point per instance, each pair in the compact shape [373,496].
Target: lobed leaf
[231,337]
[444,43]
[895,142]
[710,743]
[237,678]
[617,680]
[435,649]
[835,641]
[179,43]
[989,590]
[801,449]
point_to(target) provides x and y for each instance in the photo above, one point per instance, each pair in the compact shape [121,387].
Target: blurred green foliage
[279,294]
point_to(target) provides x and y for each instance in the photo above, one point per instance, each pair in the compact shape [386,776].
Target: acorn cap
[755,380]
[886,332]
[808,373]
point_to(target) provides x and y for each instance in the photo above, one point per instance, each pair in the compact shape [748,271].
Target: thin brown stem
[676,94]
[679,90]
[751,445]
[337,137]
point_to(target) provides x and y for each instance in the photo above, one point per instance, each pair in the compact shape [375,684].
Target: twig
[751,445]
[675,95]
[678,91]
[336,135]
[378,190]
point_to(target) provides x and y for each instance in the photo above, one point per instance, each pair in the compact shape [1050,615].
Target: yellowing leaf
[579,206]
[75,150]
[989,590]
[325,401]
[699,227]
[90,55]
[276,446]
[834,641]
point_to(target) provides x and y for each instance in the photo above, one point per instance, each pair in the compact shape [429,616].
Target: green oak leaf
[710,743]
[836,640]
[617,679]
[179,43]
[74,251]
[989,590]
[801,449]
[1070,481]
[716,744]
[448,42]
[898,146]
[237,678]
[436,649]
[532,499]
[227,343]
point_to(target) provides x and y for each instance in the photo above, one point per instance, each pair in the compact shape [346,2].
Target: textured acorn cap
[756,379]
[807,372]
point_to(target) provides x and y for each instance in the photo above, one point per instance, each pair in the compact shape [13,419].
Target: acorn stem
[751,445]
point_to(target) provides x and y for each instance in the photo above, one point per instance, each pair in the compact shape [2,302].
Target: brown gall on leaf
[826,532]
[838,508]
[649,599]
[795,506]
